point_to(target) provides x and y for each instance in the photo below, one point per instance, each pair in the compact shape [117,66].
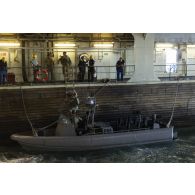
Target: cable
[33,129]
[25,111]
[43,128]
[95,94]
[172,113]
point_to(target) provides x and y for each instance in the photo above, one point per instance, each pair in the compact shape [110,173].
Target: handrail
[172,70]
[109,72]
[102,72]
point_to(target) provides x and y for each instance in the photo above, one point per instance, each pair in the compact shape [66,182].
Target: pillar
[143,56]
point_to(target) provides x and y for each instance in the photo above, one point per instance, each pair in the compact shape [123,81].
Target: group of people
[91,69]
[37,69]
[66,68]
[49,65]
[82,65]
[3,71]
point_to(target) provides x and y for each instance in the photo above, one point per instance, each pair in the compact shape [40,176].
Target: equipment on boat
[74,133]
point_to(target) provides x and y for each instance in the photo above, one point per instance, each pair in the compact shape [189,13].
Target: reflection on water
[180,150]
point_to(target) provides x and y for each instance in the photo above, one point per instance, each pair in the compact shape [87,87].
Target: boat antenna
[25,111]
[173,109]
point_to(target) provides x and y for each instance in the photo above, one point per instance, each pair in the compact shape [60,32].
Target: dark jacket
[82,65]
[91,67]
[3,65]
[120,64]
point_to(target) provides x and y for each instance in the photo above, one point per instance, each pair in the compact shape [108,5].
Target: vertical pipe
[23,63]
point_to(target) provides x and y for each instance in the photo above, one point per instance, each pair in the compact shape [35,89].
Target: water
[181,150]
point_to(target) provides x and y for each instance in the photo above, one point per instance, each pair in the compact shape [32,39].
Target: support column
[144,55]
[182,59]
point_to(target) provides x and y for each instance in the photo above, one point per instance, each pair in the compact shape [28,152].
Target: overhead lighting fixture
[190,46]
[65,45]
[9,44]
[164,45]
[103,45]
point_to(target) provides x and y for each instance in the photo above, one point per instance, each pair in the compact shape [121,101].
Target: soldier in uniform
[73,106]
[50,66]
[73,101]
[66,64]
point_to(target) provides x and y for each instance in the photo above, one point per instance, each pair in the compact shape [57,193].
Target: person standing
[66,64]
[3,71]
[120,69]
[50,66]
[82,68]
[91,69]
[36,66]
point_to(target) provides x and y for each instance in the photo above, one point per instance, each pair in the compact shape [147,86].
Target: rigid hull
[94,141]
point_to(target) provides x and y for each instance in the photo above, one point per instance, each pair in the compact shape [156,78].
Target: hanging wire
[173,109]
[46,127]
[105,85]
[25,111]
[34,131]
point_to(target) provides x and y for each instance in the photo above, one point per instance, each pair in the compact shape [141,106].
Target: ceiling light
[164,45]
[190,45]
[103,45]
[65,44]
[9,44]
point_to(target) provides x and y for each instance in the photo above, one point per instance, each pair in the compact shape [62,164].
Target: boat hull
[93,142]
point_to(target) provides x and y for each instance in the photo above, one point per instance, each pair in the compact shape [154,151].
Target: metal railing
[185,71]
[163,71]
[40,75]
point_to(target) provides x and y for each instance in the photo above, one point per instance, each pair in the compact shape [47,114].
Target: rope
[33,129]
[101,88]
[43,128]
[173,109]
[25,111]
